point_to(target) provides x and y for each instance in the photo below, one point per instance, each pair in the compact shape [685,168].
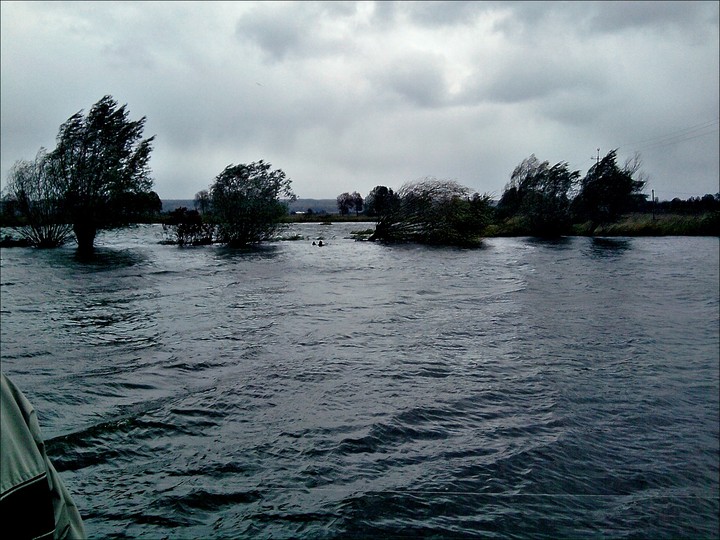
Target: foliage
[357,202]
[99,160]
[129,207]
[644,224]
[432,211]
[345,202]
[380,201]
[202,201]
[246,202]
[607,191]
[349,201]
[693,205]
[188,228]
[539,195]
[35,195]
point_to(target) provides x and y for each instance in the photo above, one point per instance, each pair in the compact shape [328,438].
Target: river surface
[525,389]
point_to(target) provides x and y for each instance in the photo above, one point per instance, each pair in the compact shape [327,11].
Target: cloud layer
[346,96]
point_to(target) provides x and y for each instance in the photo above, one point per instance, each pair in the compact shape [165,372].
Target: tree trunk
[85,236]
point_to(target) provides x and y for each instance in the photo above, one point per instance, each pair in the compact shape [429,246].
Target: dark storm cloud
[440,13]
[416,78]
[620,16]
[290,30]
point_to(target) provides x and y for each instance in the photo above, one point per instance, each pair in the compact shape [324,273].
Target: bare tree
[38,197]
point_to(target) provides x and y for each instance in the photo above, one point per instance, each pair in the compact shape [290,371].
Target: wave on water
[546,389]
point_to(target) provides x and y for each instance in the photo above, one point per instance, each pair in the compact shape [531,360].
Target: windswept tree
[36,196]
[432,211]
[540,196]
[607,191]
[100,159]
[248,202]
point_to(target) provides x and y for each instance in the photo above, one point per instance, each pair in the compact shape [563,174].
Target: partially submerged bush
[432,211]
[34,195]
[187,228]
[246,203]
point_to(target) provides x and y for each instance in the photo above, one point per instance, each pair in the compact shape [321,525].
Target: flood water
[529,388]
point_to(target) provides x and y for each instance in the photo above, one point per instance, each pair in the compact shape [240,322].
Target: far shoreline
[630,225]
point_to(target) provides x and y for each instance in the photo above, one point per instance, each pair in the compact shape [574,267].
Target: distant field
[328,206]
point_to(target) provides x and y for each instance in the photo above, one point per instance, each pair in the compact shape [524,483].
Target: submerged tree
[188,228]
[432,211]
[100,159]
[37,197]
[247,202]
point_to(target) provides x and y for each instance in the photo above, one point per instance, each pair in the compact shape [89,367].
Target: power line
[676,141]
[679,134]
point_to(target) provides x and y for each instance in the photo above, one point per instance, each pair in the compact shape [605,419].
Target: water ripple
[546,389]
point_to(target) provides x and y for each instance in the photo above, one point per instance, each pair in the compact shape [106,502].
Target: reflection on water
[550,388]
[561,242]
[250,253]
[102,259]
[609,247]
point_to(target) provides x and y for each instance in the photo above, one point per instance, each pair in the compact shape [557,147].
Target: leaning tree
[607,191]
[99,160]
[539,194]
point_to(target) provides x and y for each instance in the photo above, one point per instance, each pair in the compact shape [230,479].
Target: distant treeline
[540,200]
[98,176]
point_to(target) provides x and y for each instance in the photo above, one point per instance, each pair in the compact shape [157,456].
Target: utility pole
[653,204]
[598,157]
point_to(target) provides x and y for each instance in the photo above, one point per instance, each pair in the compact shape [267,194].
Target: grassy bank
[638,224]
[659,225]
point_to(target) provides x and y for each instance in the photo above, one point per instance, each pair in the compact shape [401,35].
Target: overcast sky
[346,96]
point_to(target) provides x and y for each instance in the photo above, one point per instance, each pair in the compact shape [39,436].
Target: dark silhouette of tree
[357,201]
[132,207]
[432,211]
[99,159]
[380,200]
[345,202]
[539,194]
[607,191]
[37,197]
[202,201]
[188,228]
[246,202]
